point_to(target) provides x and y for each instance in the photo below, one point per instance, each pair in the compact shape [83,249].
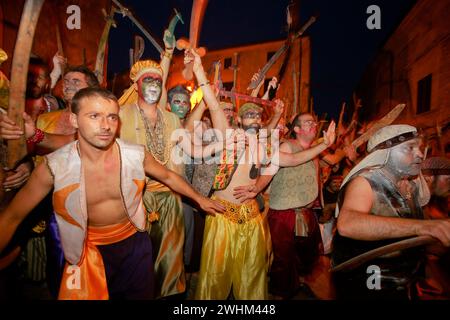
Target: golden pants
[167,235]
[234,254]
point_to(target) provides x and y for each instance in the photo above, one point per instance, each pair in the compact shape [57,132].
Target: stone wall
[418,47]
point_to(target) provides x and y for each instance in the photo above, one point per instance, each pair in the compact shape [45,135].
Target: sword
[100,70]
[383,122]
[262,73]
[126,12]
[357,261]
[174,21]
[240,96]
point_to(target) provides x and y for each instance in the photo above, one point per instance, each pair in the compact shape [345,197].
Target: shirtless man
[234,252]
[101,206]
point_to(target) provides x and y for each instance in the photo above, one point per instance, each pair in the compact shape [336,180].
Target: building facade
[413,67]
[238,64]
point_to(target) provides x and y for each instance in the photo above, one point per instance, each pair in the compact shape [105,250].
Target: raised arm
[217,115]
[255,91]
[179,185]
[272,85]
[295,159]
[59,63]
[166,58]
[277,113]
[37,187]
[356,222]
[195,115]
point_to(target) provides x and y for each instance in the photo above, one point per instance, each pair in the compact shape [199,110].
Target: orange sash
[87,280]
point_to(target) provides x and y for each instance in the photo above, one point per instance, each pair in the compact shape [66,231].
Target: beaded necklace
[156,138]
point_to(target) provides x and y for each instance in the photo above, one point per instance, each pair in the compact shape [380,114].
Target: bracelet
[37,137]
[167,54]
[203,84]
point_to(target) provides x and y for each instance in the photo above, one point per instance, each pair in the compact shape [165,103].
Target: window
[227,86]
[270,54]
[227,63]
[424,94]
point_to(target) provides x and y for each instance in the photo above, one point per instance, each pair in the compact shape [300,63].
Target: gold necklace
[156,138]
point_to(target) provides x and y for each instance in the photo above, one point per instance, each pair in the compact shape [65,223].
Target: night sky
[342,45]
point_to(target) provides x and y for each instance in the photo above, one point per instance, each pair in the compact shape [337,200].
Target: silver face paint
[150,89]
[405,158]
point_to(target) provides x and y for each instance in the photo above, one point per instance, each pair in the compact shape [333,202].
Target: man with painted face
[380,203]
[179,102]
[146,121]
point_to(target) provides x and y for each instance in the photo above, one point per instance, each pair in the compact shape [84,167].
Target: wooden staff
[17,149]
[197,14]
[295,87]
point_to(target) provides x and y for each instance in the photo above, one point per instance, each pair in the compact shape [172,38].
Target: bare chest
[102,182]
